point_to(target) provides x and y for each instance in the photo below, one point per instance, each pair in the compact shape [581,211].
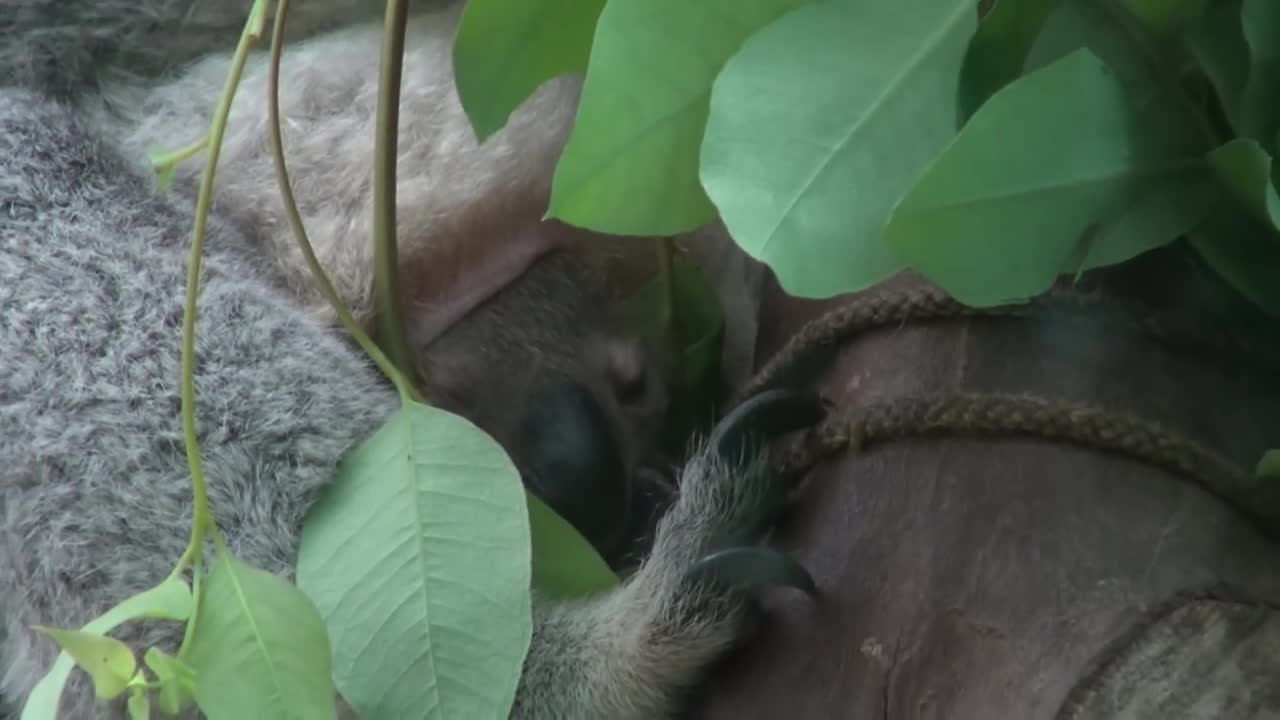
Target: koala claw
[745,430]
[751,568]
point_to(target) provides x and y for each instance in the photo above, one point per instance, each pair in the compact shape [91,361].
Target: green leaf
[1245,253]
[170,600]
[999,49]
[176,679]
[139,706]
[1167,16]
[1269,466]
[698,315]
[565,564]
[1218,44]
[504,51]
[631,163]
[1028,188]
[1146,64]
[109,662]
[822,122]
[418,556]
[701,326]
[1260,100]
[259,648]
[1245,168]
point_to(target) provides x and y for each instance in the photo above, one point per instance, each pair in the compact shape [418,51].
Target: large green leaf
[1029,186]
[999,49]
[822,122]
[259,648]
[631,164]
[1219,46]
[1260,99]
[1245,253]
[1244,167]
[504,51]
[565,564]
[418,558]
[170,600]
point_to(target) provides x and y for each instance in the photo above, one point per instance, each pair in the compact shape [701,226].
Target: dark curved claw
[750,568]
[745,430]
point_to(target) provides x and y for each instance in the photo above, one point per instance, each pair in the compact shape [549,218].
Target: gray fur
[94,491]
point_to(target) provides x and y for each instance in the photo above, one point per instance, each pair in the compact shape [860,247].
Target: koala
[508,318]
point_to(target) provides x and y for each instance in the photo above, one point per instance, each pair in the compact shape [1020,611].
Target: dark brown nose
[572,460]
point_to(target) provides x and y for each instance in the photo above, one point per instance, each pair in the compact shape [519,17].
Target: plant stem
[201,517]
[386,280]
[405,388]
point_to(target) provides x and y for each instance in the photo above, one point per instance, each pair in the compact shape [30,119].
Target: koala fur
[94,489]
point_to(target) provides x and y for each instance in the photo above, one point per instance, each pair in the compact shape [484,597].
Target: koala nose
[573,462]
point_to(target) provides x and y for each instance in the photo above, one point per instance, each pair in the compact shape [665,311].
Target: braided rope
[1012,414]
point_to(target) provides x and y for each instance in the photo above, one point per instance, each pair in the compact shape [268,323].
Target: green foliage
[418,558]
[109,662]
[1061,145]
[504,51]
[176,678]
[170,600]
[1244,167]
[999,49]
[565,565]
[693,336]
[259,648]
[811,142]
[631,165]
[1259,113]
[1166,16]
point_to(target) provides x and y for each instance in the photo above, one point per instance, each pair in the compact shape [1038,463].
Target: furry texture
[469,213]
[93,478]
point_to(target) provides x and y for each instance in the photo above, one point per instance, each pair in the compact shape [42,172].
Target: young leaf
[418,558]
[259,648]
[1026,190]
[109,662]
[631,164]
[822,122]
[176,679]
[1245,168]
[504,51]
[1260,101]
[998,50]
[564,564]
[139,705]
[170,600]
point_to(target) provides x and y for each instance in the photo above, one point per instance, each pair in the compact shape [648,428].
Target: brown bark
[987,576]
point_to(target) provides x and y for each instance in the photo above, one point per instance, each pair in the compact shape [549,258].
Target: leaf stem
[386,279]
[667,315]
[402,384]
[201,517]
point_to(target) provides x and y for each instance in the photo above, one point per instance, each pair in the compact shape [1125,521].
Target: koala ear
[446,277]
